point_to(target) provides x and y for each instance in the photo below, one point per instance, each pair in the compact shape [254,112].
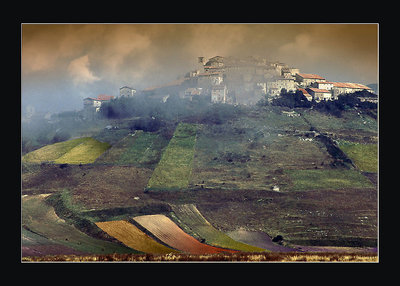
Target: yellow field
[52,152]
[77,151]
[132,237]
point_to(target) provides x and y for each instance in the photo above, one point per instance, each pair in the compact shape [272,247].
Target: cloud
[80,72]
[98,58]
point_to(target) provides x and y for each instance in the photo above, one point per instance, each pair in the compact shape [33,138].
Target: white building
[218,94]
[319,94]
[339,88]
[126,91]
[94,103]
[323,85]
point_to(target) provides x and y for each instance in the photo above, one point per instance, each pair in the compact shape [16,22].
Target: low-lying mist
[140,112]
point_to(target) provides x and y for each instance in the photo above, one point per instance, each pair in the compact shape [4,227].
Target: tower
[201,60]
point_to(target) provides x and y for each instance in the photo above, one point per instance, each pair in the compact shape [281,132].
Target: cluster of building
[247,80]
[315,87]
[241,81]
[91,105]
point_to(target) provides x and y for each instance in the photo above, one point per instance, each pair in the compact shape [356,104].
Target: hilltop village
[232,80]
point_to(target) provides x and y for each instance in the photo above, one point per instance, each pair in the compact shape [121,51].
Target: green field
[40,217]
[146,150]
[76,151]
[250,154]
[175,167]
[141,149]
[364,156]
[192,221]
[350,120]
[327,179]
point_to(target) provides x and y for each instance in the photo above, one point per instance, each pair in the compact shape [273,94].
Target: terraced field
[141,149]
[33,244]
[350,123]
[252,154]
[175,167]
[364,156]
[261,175]
[42,219]
[327,179]
[132,237]
[77,151]
[190,219]
[168,232]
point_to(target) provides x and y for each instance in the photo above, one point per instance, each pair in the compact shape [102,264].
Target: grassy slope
[84,153]
[41,218]
[141,149]
[327,179]
[365,156]
[76,151]
[191,218]
[175,167]
[53,151]
[350,120]
[146,150]
[245,153]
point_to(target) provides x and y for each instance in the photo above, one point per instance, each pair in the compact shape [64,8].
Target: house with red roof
[94,103]
[307,79]
[305,93]
[319,94]
[347,87]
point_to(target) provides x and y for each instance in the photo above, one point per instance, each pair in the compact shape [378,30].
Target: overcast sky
[62,64]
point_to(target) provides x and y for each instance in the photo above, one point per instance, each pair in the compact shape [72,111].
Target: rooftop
[350,85]
[101,97]
[310,76]
[305,93]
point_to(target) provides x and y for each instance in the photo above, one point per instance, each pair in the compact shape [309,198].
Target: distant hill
[374,87]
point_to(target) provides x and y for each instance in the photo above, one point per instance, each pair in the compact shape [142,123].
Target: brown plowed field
[168,232]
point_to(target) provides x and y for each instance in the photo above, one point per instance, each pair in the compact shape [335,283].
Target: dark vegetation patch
[240,256]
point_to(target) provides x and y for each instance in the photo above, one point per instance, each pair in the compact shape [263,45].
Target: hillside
[299,180]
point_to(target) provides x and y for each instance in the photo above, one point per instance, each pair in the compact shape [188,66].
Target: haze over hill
[62,64]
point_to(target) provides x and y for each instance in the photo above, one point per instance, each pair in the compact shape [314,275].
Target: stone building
[307,79]
[208,79]
[275,86]
[219,94]
[126,91]
[328,85]
[319,94]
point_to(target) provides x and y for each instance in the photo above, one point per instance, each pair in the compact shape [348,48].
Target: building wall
[218,95]
[318,96]
[307,81]
[126,91]
[274,88]
[324,85]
